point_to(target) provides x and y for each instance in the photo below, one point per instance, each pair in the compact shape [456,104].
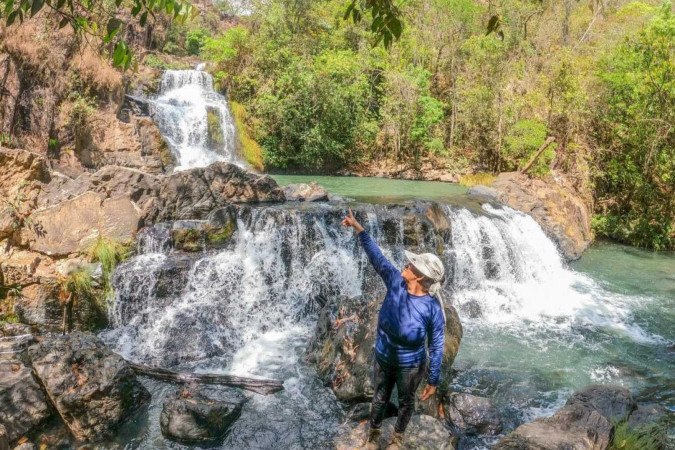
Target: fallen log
[260,386]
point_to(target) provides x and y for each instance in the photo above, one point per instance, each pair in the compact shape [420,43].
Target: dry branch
[261,386]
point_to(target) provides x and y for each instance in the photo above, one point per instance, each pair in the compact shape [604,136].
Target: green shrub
[194,40]
[635,161]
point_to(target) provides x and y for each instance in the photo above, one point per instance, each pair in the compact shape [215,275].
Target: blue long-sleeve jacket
[405,320]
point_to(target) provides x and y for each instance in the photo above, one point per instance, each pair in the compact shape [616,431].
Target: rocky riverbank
[51,223]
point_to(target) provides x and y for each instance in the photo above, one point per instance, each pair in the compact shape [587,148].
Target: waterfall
[194,119]
[231,303]
[534,329]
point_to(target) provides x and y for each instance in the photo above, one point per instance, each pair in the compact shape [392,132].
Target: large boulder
[303,192]
[193,418]
[39,305]
[110,181]
[344,341]
[553,203]
[192,194]
[471,415]
[23,406]
[613,402]
[93,389]
[586,422]
[74,225]
[423,433]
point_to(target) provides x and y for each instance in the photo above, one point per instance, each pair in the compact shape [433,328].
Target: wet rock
[25,446]
[192,194]
[74,225]
[188,235]
[613,402]
[472,415]
[554,204]
[484,193]
[23,406]
[423,432]
[342,347]
[192,418]
[199,235]
[303,192]
[585,422]
[173,276]
[154,239]
[647,415]
[93,389]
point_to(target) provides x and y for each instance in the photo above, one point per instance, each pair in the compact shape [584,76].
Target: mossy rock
[219,236]
[188,239]
[203,236]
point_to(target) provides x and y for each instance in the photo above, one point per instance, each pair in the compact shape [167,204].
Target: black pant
[406,379]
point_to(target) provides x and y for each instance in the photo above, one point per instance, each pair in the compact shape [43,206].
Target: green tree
[636,163]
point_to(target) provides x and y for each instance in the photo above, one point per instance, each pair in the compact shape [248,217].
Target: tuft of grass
[248,147]
[109,253]
[80,283]
[474,179]
[648,437]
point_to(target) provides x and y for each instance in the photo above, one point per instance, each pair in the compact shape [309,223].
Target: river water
[535,328]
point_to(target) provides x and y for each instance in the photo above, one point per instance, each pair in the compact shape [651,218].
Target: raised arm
[382,266]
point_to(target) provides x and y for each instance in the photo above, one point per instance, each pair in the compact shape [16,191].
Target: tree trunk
[261,386]
[549,140]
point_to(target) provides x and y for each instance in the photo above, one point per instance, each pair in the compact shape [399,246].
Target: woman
[411,313]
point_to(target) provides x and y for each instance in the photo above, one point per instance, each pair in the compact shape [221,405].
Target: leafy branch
[386,18]
[98,18]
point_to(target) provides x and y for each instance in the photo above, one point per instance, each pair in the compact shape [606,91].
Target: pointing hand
[350,221]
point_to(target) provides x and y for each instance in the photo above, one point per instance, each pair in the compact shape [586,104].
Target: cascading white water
[194,119]
[237,298]
[507,272]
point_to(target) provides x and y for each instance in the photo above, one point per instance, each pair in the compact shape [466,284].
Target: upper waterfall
[194,119]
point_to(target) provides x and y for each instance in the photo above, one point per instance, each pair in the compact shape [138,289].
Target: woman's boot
[396,442]
[373,438]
